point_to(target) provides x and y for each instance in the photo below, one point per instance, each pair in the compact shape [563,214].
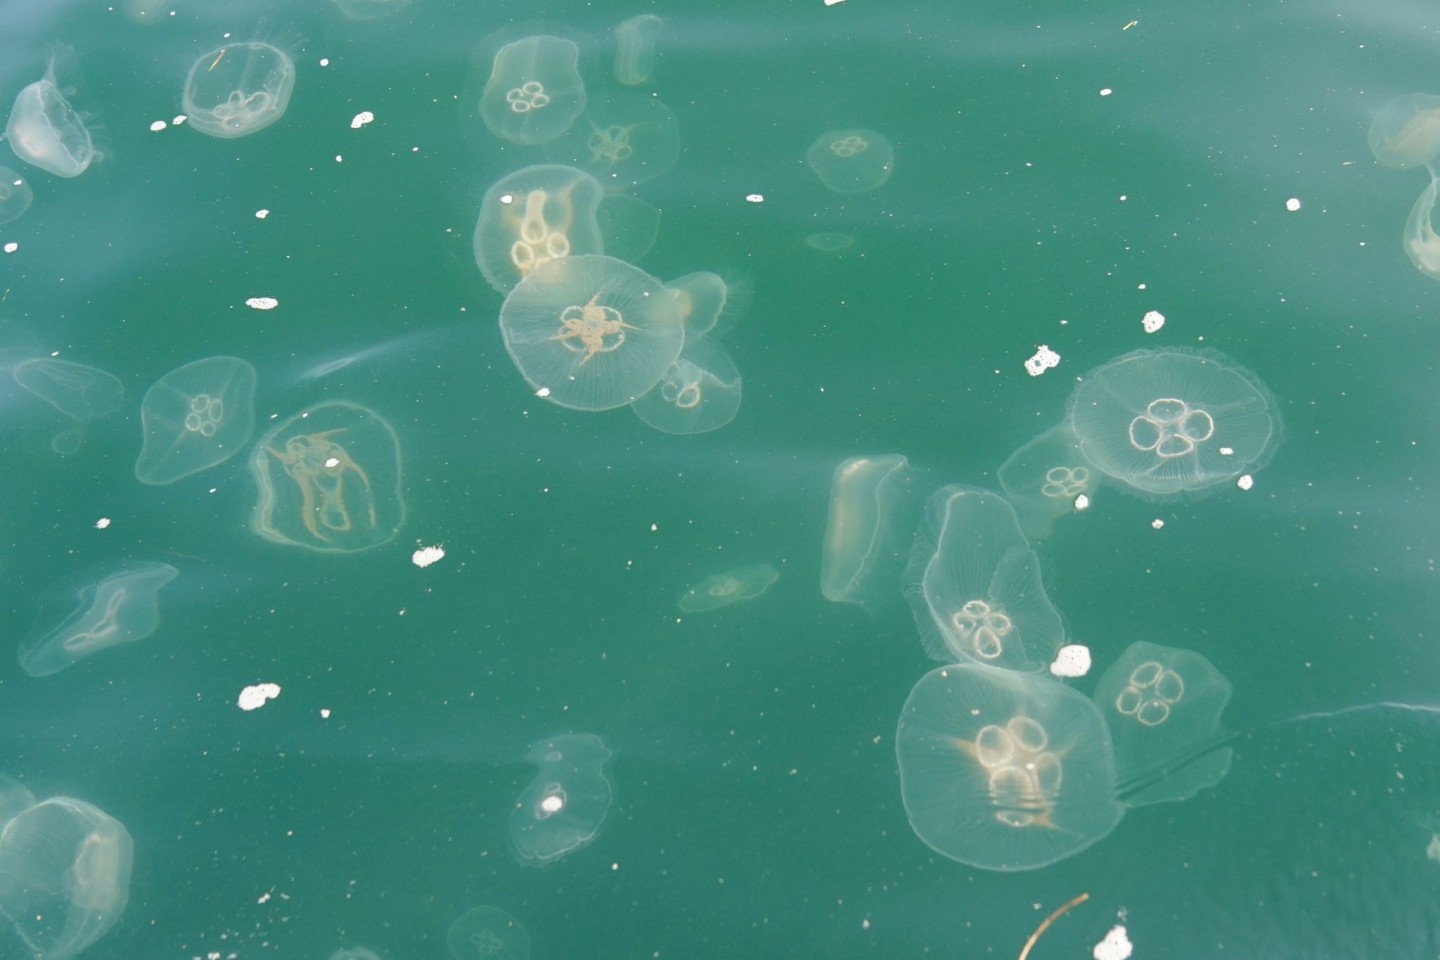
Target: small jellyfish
[723,589]
[635,49]
[238,89]
[564,807]
[874,506]
[487,933]
[852,160]
[1162,703]
[702,298]
[974,584]
[591,333]
[194,418]
[1406,131]
[1044,478]
[699,393]
[829,241]
[622,139]
[1003,770]
[328,480]
[102,609]
[1167,422]
[45,130]
[534,92]
[15,195]
[533,216]
[1422,244]
[76,390]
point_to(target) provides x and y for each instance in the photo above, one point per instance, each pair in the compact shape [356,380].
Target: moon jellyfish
[1043,479]
[852,160]
[369,9]
[533,216]
[328,480]
[591,333]
[723,589]
[1168,422]
[64,875]
[487,933]
[1162,703]
[829,241]
[76,390]
[120,606]
[564,806]
[874,506]
[622,139]
[699,393]
[1422,245]
[45,131]
[355,953]
[15,195]
[635,49]
[701,297]
[194,418]
[1406,131]
[1002,770]
[974,584]
[238,89]
[534,92]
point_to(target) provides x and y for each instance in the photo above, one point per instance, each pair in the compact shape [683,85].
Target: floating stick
[1060,911]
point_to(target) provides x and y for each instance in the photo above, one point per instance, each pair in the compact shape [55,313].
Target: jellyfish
[622,139]
[1406,131]
[76,390]
[64,875]
[194,418]
[702,298]
[874,506]
[355,953]
[1045,478]
[699,393]
[534,92]
[533,216]
[591,333]
[974,584]
[1167,422]
[563,808]
[238,89]
[1003,770]
[732,586]
[328,480]
[635,49]
[45,130]
[1161,704]
[369,9]
[107,608]
[15,195]
[487,933]
[1422,244]
[829,241]
[852,160]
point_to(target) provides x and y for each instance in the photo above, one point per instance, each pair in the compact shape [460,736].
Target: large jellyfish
[533,216]
[1406,131]
[238,89]
[534,92]
[45,131]
[194,418]
[564,807]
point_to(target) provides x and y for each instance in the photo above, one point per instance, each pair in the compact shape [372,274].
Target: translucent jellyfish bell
[45,131]
[1422,245]
[851,160]
[103,609]
[622,139]
[487,933]
[591,333]
[699,393]
[534,92]
[369,9]
[15,195]
[1167,422]
[1044,478]
[733,586]
[533,216]
[1162,704]
[635,48]
[564,807]
[75,389]
[238,89]
[974,584]
[194,418]
[874,506]
[1406,131]
[702,298]
[1002,770]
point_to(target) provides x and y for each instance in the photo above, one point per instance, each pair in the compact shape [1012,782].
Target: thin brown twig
[1060,911]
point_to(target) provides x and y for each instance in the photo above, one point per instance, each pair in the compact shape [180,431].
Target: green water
[757,809]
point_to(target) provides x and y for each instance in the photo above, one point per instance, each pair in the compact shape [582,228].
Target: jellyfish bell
[487,933]
[541,213]
[699,393]
[875,504]
[534,90]
[1422,244]
[45,130]
[851,159]
[732,586]
[563,808]
[622,139]
[238,89]
[1406,131]
[1045,478]
[635,48]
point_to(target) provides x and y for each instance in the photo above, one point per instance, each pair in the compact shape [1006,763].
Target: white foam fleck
[254,697]
[425,556]
[1115,946]
[1044,359]
[1072,660]
[360,119]
[1152,321]
[262,303]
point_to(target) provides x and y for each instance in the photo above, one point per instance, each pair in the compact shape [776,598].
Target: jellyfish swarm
[563,808]
[723,589]
[635,49]
[1044,478]
[851,160]
[117,607]
[194,418]
[64,875]
[1002,770]
[1406,131]
[591,333]
[874,507]
[15,195]
[533,216]
[328,480]
[238,89]
[487,933]
[45,131]
[622,139]
[534,92]
[1167,422]
[1422,245]
[699,393]
[1163,704]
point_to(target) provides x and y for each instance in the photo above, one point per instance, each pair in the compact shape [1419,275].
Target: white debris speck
[1115,946]
[102,523]
[261,214]
[553,803]
[755,197]
[543,392]
[339,158]
[324,61]
[262,303]
[253,698]
[1157,523]
[360,119]
[178,119]
[1227,451]
[425,556]
[1082,502]
[158,125]
[1433,850]
[324,713]
[831,3]
[1292,204]
[1245,482]
[1106,91]
[1044,359]
[11,247]
[1073,660]
[1152,321]
[264,897]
